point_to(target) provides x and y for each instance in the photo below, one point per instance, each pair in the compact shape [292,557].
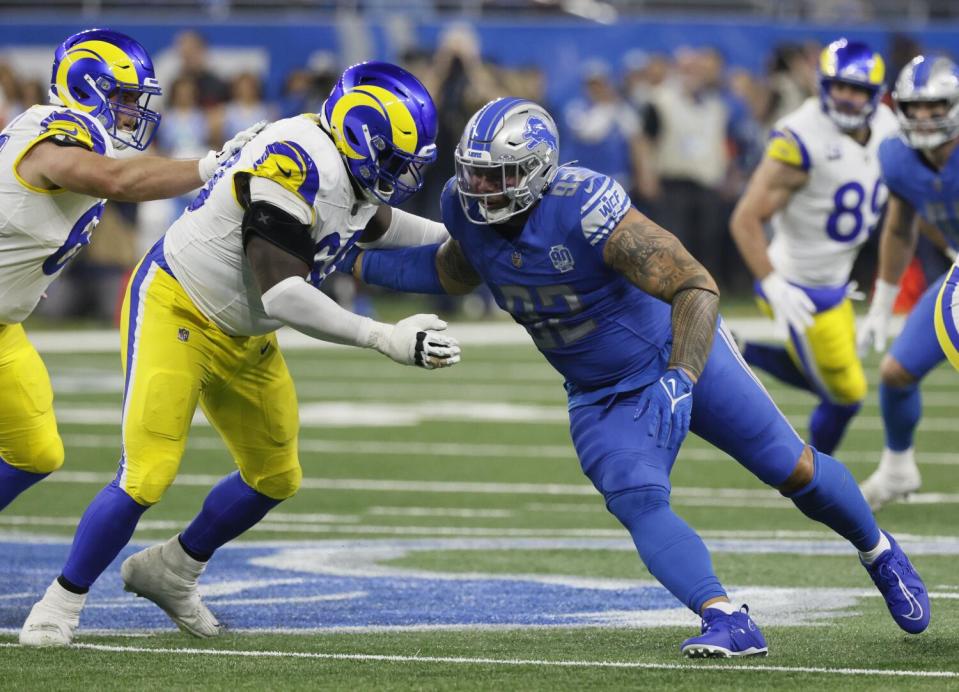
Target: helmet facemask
[838,110]
[492,192]
[391,175]
[933,81]
[120,101]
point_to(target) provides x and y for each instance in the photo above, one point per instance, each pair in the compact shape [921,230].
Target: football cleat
[724,636]
[902,587]
[53,619]
[896,478]
[166,575]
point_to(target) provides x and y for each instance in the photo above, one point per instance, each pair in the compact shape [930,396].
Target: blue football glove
[348,260]
[667,406]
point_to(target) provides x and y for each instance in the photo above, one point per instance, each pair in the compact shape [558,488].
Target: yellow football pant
[173,358]
[29,440]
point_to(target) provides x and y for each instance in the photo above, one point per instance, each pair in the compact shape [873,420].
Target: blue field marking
[352,585]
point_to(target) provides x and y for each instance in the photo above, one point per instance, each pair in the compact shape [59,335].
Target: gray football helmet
[928,79]
[505,159]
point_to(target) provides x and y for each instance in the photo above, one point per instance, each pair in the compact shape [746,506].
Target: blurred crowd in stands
[681,132]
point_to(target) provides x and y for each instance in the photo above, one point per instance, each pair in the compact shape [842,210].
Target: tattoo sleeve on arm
[456,273]
[654,260]
[694,324]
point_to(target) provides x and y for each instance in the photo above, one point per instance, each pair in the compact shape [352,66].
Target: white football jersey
[41,230]
[292,164]
[817,235]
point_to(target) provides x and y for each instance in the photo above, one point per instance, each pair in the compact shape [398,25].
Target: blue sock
[901,409]
[670,549]
[14,481]
[230,509]
[104,529]
[776,361]
[833,498]
[828,423]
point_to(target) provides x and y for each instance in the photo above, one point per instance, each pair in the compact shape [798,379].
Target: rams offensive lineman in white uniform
[198,326]
[57,169]
[819,186]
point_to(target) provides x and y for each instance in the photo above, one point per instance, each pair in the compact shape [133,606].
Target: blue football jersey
[602,333]
[933,194]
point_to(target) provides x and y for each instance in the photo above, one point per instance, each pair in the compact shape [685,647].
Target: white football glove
[214,159]
[789,303]
[874,330]
[416,341]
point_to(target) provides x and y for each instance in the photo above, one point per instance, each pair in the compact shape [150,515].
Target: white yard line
[538,663]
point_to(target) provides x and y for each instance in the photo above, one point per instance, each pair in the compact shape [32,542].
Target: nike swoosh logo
[913,603]
[283,170]
[72,133]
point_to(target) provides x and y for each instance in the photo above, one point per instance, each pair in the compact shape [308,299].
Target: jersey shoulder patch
[70,127]
[787,147]
[288,164]
[595,201]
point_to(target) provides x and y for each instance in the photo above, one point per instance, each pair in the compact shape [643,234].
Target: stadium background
[468,477]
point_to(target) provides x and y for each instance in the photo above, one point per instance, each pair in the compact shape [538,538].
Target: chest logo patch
[561,258]
[516,259]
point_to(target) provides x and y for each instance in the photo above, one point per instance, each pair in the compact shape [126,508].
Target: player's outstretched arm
[770,188]
[139,179]
[435,269]
[279,250]
[653,259]
[897,243]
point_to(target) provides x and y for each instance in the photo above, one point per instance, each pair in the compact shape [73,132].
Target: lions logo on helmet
[856,64]
[383,123]
[505,159]
[933,80]
[107,74]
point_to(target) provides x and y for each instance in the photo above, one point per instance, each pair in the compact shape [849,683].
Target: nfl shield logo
[516,259]
[561,258]
[183,334]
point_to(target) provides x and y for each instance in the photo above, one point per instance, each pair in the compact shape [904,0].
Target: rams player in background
[921,169]
[819,186]
[198,322]
[58,167]
[619,307]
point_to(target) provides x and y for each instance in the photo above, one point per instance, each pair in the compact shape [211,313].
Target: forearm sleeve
[408,230]
[308,310]
[410,270]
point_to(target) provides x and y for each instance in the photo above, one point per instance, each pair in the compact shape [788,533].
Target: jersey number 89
[848,202]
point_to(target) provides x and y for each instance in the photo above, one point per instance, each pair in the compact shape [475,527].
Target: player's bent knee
[280,486]
[149,487]
[802,474]
[893,374]
[48,458]
[629,505]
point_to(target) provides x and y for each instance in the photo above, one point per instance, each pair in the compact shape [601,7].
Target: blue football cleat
[726,635]
[902,587]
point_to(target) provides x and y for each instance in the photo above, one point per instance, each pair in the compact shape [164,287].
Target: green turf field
[457,497]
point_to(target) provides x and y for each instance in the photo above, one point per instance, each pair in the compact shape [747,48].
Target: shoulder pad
[785,146]
[597,201]
[287,164]
[72,127]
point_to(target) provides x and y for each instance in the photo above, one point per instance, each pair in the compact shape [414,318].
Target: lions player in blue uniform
[630,318]
[921,170]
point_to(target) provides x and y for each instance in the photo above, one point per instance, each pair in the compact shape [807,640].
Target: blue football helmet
[928,79]
[383,122]
[851,62]
[110,76]
[505,159]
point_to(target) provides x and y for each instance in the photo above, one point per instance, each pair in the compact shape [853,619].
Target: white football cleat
[896,478]
[166,575]
[53,618]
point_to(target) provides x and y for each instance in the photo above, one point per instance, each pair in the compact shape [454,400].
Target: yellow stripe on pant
[826,353]
[174,358]
[947,316]
[29,440]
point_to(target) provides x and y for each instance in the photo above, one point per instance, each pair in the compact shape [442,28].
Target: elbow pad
[275,226]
